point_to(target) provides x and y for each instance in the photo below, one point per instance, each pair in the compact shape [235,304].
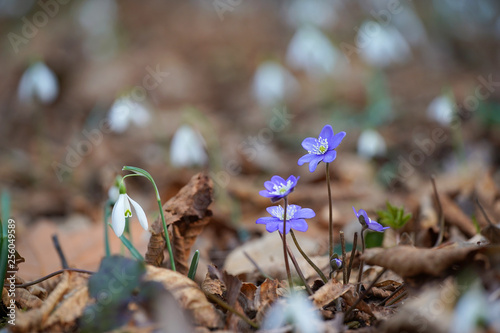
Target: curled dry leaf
[455,216]
[187,293]
[408,261]
[329,292]
[30,320]
[188,214]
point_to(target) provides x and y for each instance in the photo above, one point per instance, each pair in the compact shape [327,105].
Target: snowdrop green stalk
[107,213]
[194,265]
[5,205]
[144,173]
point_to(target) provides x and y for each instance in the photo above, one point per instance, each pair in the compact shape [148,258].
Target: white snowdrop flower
[187,148]
[122,210]
[311,50]
[272,83]
[441,109]
[322,13]
[38,82]
[371,144]
[125,111]
[380,45]
[470,309]
[297,311]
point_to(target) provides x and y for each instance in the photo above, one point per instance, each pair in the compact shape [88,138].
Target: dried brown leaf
[70,309]
[408,261]
[27,321]
[455,216]
[188,212]
[329,292]
[187,293]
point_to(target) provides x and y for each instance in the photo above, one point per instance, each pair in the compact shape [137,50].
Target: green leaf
[393,216]
[194,265]
[113,287]
[374,239]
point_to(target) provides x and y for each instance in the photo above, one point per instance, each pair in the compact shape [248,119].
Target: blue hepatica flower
[369,224]
[295,216]
[322,148]
[279,188]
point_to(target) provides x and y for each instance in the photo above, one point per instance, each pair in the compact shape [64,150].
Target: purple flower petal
[308,143]
[375,226]
[327,133]
[305,213]
[277,180]
[265,193]
[298,224]
[265,220]
[306,158]
[273,210]
[335,140]
[269,185]
[273,226]
[314,163]
[329,156]
[355,212]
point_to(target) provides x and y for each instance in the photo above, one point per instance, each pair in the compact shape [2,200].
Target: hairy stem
[330,214]
[361,263]
[316,268]
[297,268]
[285,252]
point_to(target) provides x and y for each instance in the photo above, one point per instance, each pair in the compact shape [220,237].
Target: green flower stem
[344,266]
[285,252]
[144,173]
[229,308]
[316,268]
[353,253]
[131,248]
[330,214]
[4,222]
[361,264]
[107,213]
[299,271]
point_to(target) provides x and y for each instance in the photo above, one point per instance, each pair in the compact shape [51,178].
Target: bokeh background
[90,86]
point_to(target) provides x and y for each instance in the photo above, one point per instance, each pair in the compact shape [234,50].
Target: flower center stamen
[290,212]
[320,147]
[280,189]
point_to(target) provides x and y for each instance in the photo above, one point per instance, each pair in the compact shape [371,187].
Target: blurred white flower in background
[371,144]
[441,109]
[272,83]
[402,16]
[322,13]
[298,311]
[475,310]
[125,111]
[38,83]
[311,50]
[381,46]
[187,148]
